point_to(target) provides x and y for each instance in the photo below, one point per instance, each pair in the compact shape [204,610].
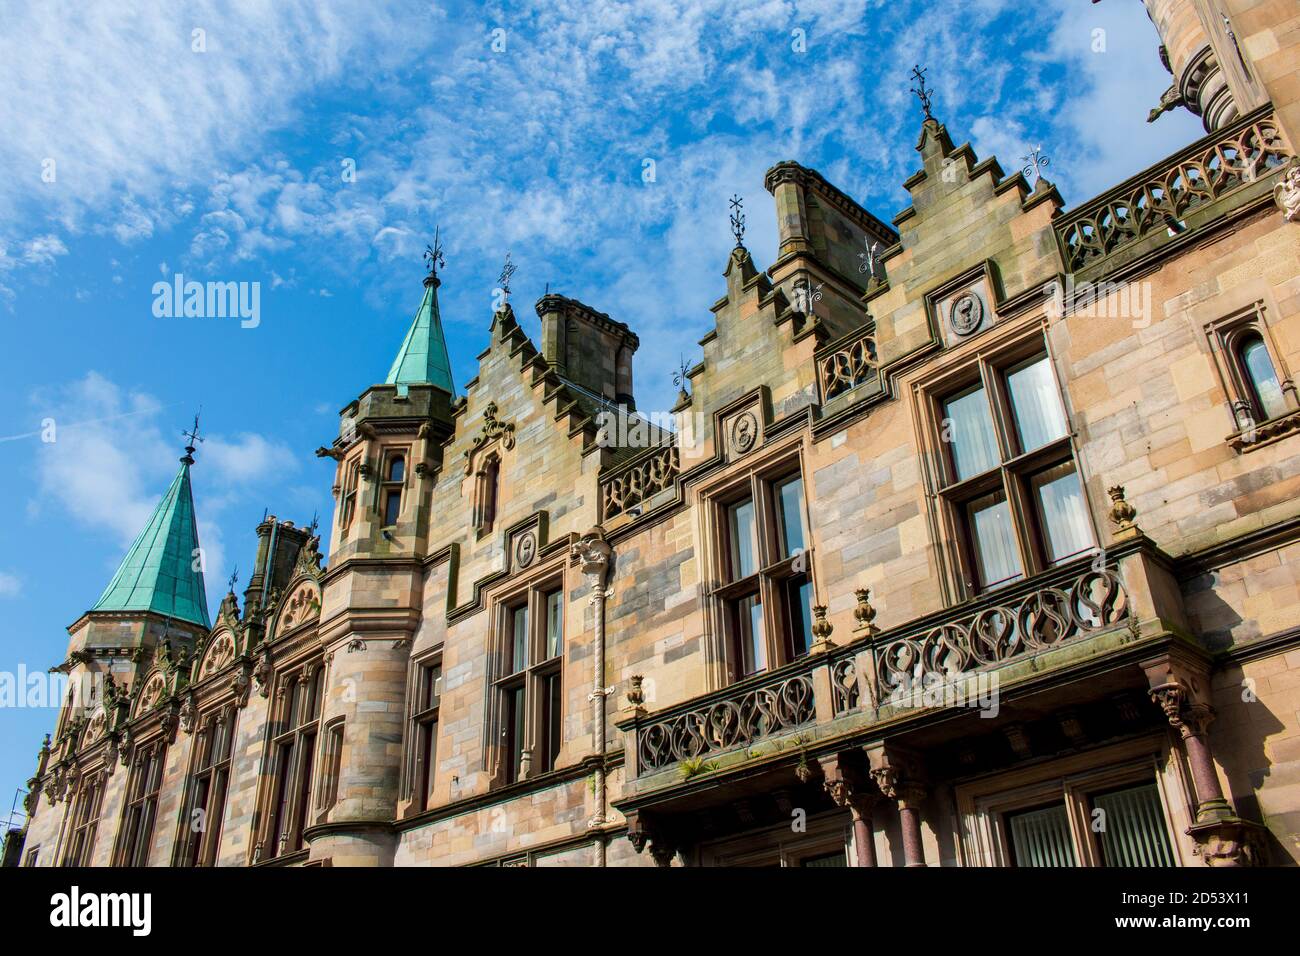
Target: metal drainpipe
[594,554]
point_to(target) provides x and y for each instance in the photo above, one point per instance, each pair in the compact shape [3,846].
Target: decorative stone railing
[1037,616]
[1156,202]
[639,480]
[733,718]
[868,673]
[846,364]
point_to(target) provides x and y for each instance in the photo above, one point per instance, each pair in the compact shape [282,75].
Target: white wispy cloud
[10,585]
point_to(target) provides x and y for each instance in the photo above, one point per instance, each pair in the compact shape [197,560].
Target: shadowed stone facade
[779,636]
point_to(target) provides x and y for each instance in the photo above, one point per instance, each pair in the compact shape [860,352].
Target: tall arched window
[1261,377]
[485,494]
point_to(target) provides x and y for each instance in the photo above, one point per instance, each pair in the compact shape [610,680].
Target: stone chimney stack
[588,348]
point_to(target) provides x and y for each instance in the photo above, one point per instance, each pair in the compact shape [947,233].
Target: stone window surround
[124,850]
[764,468]
[982,805]
[85,813]
[350,469]
[961,367]
[211,840]
[412,801]
[387,453]
[528,588]
[275,731]
[1225,336]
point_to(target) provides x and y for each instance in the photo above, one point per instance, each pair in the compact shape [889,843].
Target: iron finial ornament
[923,93]
[1035,163]
[738,219]
[194,439]
[433,254]
[507,272]
[234,579]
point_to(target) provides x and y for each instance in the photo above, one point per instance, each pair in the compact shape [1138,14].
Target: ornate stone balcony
[1186,192]
[1092,610]
[635,483]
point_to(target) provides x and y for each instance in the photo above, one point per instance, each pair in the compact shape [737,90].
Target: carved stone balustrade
[1187,191]
[847,363]
[736,717]
[639,480]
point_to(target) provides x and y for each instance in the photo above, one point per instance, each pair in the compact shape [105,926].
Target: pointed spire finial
[738,219]
[923,93]
[433,256]
[193,436]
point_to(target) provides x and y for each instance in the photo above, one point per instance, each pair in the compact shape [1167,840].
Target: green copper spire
[423,358]
[158,573]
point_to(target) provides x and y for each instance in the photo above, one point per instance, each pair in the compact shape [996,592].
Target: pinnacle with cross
[923,93]
[234,579]
[738,219]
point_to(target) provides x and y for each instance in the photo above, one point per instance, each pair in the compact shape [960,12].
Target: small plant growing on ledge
[694,766]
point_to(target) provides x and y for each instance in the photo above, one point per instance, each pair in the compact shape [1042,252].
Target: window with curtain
[529,686]
[1116,827]
[1007,472]
[1133,827]
[766,593]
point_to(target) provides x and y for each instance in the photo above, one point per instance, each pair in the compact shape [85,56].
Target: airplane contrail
[90,421]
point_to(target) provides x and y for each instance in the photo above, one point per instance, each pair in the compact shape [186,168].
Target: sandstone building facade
[976,541]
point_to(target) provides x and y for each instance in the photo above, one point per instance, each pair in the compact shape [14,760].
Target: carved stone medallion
[744,432]
[966,314]
[526,549]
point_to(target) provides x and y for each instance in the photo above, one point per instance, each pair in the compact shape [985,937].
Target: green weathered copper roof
[157,573]
[423,356]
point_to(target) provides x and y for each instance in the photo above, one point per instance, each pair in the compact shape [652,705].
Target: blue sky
[222,155]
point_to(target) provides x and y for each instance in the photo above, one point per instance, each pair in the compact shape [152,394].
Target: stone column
[854,790]
[899,776]
[1178,683]
[593,554]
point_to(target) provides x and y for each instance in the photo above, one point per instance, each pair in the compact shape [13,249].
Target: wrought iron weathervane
[738,219]
[194,440]
[433,253]
[507,271]
[923,93]
[1035,163]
